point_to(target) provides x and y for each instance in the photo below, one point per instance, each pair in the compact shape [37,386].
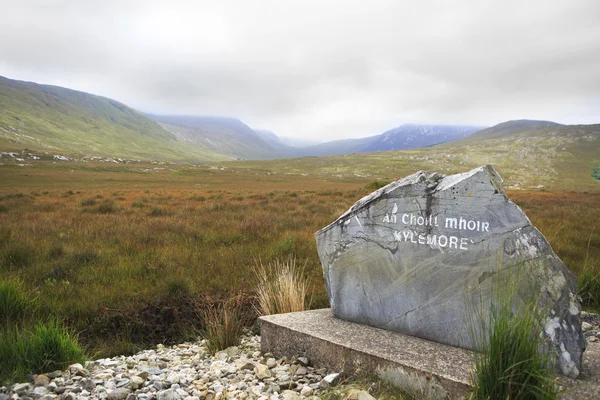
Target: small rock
[356,394]
[68,396]
[40,391]
[168,394]
[41,380]
[262,371]
[131,396]
[592,339]
[243,365]
[217,388]
[54,374]
[20,388]
[303,361]
[143,375]
[173,378]
[123,383]
[290,395]
[271,362]
[586,326]
[88,384]
[73,368]
[136,382]
[306,391]
[332,379]
[233,351]
[73,388]
[60,389]
[118,394]
[155,371]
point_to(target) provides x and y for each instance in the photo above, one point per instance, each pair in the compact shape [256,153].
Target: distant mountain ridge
[60,120]
[45,116]
[407,136]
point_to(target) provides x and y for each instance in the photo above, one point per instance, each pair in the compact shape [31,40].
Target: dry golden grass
[282,287]
[223,327]
[114,249]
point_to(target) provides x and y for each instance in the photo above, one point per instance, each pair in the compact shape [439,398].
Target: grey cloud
[317,68]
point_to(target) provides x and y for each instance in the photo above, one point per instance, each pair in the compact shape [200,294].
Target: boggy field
[129,258]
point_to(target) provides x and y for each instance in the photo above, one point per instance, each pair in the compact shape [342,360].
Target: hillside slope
[224,135]
[528,154]
[50,117]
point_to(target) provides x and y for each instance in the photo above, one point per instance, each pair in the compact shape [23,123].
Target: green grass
[553,158]
[596,173]
[513,363]
[376,184]
[589,281]
[44,348]
[16,256]
[28,344]
[114,274]
[15,303]
[42,116]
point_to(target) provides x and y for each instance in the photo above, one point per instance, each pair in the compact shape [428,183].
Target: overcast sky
[317,69]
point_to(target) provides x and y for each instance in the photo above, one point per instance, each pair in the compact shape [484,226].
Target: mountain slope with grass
[528,154]
[224,135]
[51,118]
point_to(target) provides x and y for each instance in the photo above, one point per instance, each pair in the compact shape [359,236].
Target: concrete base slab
[435,370]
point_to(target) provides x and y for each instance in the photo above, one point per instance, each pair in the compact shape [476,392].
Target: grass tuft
[15,305]
[157,212]
[223,327]
[376,184]
[178,288]
[47,347]
[589,288]
[589,281]
[514,362]
[17,255]
[88,202]
[282,287]
[107,207]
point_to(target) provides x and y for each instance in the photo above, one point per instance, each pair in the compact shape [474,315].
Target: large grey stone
[422,254]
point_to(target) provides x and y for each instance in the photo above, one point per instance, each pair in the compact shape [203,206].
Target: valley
[134,250]
[127,225]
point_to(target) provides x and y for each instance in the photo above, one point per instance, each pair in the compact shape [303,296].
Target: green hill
[224,135]
[43,117]
[528,154]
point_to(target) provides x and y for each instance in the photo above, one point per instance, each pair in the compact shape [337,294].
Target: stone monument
[420,254]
